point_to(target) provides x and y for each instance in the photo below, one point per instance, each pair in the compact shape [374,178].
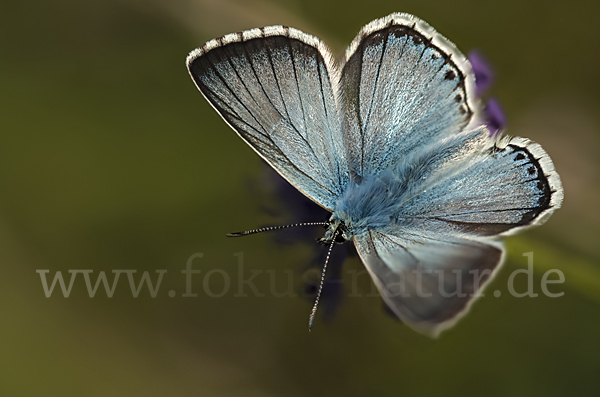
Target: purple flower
[484,75]
[494,117]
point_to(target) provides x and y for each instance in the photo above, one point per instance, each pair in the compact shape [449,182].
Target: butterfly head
[335,230]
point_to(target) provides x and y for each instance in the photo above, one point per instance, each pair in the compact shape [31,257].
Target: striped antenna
[314,309]
[269,228]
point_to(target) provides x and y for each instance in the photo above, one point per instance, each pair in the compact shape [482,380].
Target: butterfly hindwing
[498,190]
[427,279]
[273,86]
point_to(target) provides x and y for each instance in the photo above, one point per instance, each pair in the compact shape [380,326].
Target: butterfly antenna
[314,309]
[269,228]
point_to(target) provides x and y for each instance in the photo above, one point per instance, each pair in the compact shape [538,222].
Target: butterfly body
[389,139]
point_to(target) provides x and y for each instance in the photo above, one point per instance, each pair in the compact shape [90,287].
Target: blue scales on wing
[404,85]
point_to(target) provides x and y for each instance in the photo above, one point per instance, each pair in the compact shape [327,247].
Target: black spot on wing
[417,39]
[450,75]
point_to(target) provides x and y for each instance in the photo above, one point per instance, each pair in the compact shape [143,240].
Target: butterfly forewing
[404,85]
[274,87]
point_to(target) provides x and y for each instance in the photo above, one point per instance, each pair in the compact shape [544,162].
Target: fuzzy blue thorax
[368,203]
[374,202]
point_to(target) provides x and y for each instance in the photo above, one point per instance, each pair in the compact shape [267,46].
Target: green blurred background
[111,159]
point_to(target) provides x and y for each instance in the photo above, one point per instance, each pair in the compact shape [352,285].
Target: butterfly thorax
[371,203]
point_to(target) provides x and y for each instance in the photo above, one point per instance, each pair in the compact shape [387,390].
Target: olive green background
[111,159]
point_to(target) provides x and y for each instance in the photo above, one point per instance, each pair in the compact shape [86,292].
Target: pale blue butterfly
[389,139]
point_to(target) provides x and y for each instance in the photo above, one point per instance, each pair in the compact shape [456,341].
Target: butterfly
[390,140]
